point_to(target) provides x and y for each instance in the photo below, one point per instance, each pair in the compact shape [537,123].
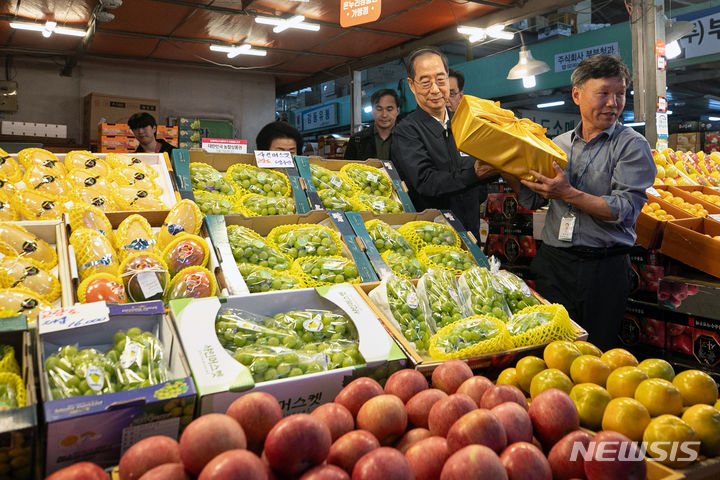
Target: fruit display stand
[217,229]
[399,193]
[691,242]
[181,160]
[650,229]
[99,428]
[19,427]
[221,379]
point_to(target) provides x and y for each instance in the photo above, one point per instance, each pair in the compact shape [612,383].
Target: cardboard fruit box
[399,193]
[220,379]
[650,230]
[99,428]
[688,241]
[217,229]
[182,158]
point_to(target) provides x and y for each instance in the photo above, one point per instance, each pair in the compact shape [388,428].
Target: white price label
[268,159]
[224,145]
[652,191]
[715,216]
[149,284]
[79,315]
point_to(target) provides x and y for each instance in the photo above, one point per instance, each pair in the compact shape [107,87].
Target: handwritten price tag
[267,159]
[79,315]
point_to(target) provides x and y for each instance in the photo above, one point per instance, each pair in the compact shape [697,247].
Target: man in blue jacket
[424,150]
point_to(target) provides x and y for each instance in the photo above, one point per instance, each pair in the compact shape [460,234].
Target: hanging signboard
[705,38]
[569,60]
[319,117]
[357,12]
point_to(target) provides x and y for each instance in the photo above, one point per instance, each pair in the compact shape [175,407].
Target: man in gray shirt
[590,227]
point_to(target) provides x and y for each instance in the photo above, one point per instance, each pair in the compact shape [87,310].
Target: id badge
[567,225]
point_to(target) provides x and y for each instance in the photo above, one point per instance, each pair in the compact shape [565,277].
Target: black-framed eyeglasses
[425,85]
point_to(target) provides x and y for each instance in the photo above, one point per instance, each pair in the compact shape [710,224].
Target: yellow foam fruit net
[421,233]
[9,168]
[325,179]
[494,135]
[253,205]
[7,211]
[83,215]
[186,250]
[42,179]
[20,301]
[332,200]
[379,204]
[93,253]
[87,161]
[29,274]
[402,265]
[133,177]
[367,179]
[323,271]
[134,234]
[34,205]
[8,362]
[470,337]
[453,259]
[267,182]
[39,156]
[387,238]
[262,279]
[82,288]
[80,179]
[184,216]
[540,324]
[213,203]
[117,160]
[133,198]
[7,188]
[12,391]
[96,198]
[305,239]
[25,244]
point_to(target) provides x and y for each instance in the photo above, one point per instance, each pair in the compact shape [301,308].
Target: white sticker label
[95,377]
[372,177]
[267,159]
[79,315]
[312,325]
[336,181]
[132,354]
[412,299]
[652,191]
[378,205]
[715,216]
[149,284]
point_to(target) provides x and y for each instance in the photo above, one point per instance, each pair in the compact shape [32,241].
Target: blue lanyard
[582,175]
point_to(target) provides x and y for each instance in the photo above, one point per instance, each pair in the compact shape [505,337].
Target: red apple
[297,443]
[348,449]
[614,456]
[80,471]
[384,416]
[418,407]
[238,464]
[524,461]
[553,415]
[501,394]
[427,457]
[384,463]
[559,457]
[338,418]
[479,427]
[358,392]
[325,472]
[148,454]
[208,436]
[406,383]
[474,462]
[450,374]
[412,437]
[257,413]
[168,471]
[447,411]
[516,422]
[475,387]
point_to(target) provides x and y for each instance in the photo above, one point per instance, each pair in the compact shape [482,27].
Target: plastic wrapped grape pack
[484,293]
[444,302]
[471,336]
[325,179]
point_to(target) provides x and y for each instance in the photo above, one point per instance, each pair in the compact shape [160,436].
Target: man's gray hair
[599,66]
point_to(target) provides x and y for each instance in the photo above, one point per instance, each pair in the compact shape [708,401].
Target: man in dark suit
[424,150]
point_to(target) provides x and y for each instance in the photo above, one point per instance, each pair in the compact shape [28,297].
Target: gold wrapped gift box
[513,145]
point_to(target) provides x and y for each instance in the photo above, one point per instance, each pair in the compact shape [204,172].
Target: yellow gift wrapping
[34,205]
[29,274]
[134,234]
[18,241]
[7,211]
[184,216]
[21,301]
[494,135]
[94,253]
[84,160]
[9,168]
[83,215]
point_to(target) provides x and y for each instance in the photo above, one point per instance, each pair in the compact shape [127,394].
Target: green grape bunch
[313,240]
[138,359]
[436,234]
[339,353]
[332,200]
[236,329]
[379,204]
[248,247]
[443,299]
[330,270]
[386,238]
[369,180]
[452,260]
[211,203]
[260,279]
[325,179]
[404,265]
[317,325]
[409,312]
[257,180]
[274,362]
[517,294]
[205,178]
[262,205]
[73,372]
[467,333]
[486,295]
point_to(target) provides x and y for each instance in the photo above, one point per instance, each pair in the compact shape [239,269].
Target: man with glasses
[374,141]
[590,226]
[424,150]
[457,83]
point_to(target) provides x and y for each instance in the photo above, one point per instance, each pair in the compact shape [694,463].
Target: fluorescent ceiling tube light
[48,28]
[281,24]
[635,124]
[498,31]
[475,34]
[714,119]
[234,51]
[527,66]
[551,104]
[37,27]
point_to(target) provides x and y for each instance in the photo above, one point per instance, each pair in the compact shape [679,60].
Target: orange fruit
[717,404]
[623,381]
[627,416]
[657,368]
[550,378]
[526,368]
[659,396]
[508,377]
[619,357]
[587,348]
[589,369]
[696,387]
[660,437]
[560,354]
[705,420]
[590,401]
